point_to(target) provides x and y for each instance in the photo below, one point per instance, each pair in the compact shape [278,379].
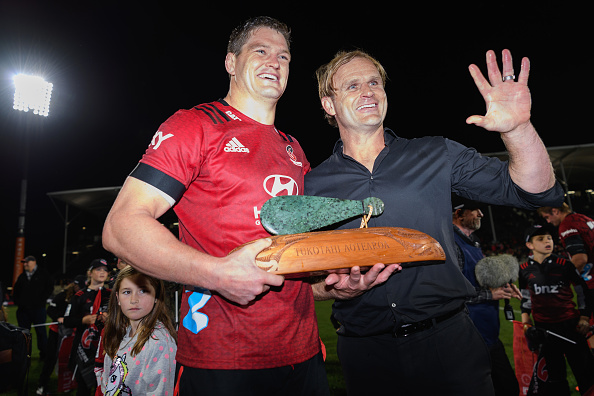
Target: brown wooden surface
[314,253]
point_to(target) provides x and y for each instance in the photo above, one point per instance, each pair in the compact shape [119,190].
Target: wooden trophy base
[318,253]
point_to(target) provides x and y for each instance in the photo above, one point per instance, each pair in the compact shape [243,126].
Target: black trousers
[579,357]
[28,317]
[450,358]
[302,379]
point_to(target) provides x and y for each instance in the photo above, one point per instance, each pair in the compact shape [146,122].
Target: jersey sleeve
[172,159]
[585,296]
[574,244]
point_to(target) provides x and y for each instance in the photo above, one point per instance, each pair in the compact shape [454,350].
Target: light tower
[31,93]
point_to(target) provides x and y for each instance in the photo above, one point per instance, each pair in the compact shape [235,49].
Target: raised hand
[508,102]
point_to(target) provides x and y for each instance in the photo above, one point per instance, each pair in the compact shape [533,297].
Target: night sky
[120,70]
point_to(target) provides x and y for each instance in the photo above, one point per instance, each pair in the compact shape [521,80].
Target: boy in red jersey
[545,282]
[242,328]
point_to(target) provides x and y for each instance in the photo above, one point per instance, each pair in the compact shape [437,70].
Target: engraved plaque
[312,253]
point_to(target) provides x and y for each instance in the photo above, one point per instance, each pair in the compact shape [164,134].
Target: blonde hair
[549,209]
[325,74]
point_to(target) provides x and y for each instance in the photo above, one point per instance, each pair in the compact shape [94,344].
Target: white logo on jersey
[546,289]
[233,146]
[292,156]
[158,138]
[590,224]
[233,116]
[274,185]
[567,232]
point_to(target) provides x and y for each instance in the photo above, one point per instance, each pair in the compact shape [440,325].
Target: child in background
[545,282]
[140,339]
[85,313]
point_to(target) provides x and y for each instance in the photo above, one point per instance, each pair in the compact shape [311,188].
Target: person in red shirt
[576,232]
[216,164]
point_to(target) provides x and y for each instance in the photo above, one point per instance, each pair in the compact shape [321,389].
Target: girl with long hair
[139,338]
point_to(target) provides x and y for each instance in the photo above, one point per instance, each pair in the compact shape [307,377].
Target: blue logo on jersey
[196,321]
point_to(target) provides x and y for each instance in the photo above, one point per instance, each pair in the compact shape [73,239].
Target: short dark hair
[241,34]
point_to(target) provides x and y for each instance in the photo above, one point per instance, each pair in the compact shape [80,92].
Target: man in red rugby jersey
[216,164]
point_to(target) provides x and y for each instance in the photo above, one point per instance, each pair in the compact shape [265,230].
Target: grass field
[327,333]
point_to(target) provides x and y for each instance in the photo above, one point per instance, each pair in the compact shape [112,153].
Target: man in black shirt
[31,291]
[411,334]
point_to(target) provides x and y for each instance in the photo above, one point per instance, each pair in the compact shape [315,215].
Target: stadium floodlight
[32,93]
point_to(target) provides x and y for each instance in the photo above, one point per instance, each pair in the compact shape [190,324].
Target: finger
[476,120]
[479,80]
[332,279]
[355,274]
[387,272]
[273,280]
[370,277]
[524,71]
[508,65]
[259,245]
[517,293]
[493,68]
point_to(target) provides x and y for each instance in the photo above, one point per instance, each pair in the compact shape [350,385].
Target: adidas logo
[233,146]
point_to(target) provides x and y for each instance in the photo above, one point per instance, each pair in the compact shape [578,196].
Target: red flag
[524,358]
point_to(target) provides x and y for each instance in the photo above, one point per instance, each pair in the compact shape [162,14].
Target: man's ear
[230,63]
[328,105]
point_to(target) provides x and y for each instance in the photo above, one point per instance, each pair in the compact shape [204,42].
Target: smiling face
[261,69]
[136,298]
[359,101]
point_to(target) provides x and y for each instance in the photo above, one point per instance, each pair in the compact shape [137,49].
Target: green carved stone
[294,214]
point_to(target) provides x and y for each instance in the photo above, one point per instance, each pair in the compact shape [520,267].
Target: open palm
[508,102]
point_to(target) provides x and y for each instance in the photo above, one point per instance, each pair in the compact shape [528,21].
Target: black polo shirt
[414,178]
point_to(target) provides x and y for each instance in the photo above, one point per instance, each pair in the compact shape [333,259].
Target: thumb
[259,245]
[251,249]
[476,120]
[254,249]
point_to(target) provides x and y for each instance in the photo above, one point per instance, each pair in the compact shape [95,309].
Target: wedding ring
[510,77]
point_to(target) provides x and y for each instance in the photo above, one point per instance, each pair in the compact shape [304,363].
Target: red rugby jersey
[580,227]
[220,167]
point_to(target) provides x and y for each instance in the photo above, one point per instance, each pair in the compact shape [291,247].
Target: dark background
[119,70]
